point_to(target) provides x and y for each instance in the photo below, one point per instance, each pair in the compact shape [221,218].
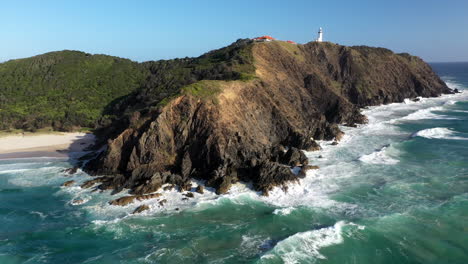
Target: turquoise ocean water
[394,191]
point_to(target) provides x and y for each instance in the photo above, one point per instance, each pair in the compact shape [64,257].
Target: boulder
[224,185]
[186,186]
[91,183]
[77,202]
[162,202]
[200,189]
[339,136]
[122,201]
[71,170]
[68,183]
[141,208]
[314,146]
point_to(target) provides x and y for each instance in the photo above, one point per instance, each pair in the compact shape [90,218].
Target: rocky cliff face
[252,129]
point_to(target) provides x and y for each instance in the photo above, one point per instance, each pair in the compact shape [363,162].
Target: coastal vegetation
[65,90]
[69,90]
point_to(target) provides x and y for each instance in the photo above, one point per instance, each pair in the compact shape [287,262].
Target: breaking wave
[305,247]
[438,133]
[379,157]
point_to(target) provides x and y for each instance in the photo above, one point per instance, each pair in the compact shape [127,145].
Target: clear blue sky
[141,30]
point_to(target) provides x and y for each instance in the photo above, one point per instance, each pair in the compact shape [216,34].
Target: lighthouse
[320,35]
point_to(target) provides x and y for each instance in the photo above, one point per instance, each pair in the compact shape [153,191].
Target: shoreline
[44,145]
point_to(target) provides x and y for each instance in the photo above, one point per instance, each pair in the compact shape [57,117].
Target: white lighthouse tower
[320,35]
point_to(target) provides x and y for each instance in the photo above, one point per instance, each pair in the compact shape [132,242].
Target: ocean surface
[393,191]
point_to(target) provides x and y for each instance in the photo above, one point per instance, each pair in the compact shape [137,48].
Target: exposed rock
[71,170]
[314,146]
[186,186]
[200,189]
[68,183]
[189,195]
[91,183]
[294,157]
[273,174]
[141,208]
[224,184]
[77,202]
[153,184]
[339,136]
[122,201]
[162,202]
[311,167]
[334,143]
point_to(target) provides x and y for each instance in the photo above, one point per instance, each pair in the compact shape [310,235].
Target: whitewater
[392,191]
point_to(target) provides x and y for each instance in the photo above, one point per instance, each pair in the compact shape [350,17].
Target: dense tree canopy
[71,89]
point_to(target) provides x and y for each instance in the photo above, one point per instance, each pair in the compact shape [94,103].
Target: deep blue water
[394,191]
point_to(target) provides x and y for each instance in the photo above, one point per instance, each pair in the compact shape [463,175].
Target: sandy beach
[51,145]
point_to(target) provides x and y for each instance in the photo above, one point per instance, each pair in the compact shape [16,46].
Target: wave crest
[379,157]
[305,247]
[438,133]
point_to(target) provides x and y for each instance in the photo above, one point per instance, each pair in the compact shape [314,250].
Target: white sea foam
[427,113]
[379,157]
[252,244]
[305,247]
[35,177]
[452,84]
[338,163]
[438,133]
[40,214]
[80,201]
[284,211]
[13,171]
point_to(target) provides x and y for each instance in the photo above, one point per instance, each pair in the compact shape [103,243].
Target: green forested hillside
[72,89]
[65,89]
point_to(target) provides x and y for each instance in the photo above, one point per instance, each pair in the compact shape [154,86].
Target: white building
[320,35]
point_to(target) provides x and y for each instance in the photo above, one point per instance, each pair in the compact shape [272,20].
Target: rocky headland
[245,113]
